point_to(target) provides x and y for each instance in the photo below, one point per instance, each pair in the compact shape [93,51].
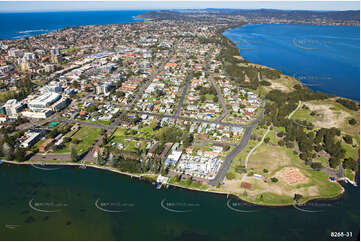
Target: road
[199,120]
[229,158]
[231,155]
[102,126]
[218,143]
[51,157]
[184,93]
[219,93]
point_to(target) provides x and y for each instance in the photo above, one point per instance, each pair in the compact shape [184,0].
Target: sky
[45,6]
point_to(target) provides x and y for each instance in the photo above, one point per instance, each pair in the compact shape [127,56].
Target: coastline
[131,175]
[176,185]
[17,34]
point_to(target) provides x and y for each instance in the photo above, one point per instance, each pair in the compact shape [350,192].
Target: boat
[159,186]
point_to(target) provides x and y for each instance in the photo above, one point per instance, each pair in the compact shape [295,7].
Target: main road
[184,93]
[231,155]
[219,93]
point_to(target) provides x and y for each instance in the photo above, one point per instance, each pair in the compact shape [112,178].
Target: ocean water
[90,204]
[325,58]
[21,25]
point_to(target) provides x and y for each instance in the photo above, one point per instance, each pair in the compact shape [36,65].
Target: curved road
[231,155]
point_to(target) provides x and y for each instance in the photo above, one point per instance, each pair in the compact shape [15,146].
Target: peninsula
[171,99]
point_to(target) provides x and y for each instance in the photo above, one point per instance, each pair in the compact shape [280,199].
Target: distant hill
[351,17]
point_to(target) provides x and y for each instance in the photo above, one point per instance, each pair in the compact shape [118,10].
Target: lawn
[302,114]
[86,135]
[118,135]
[349,174]
[68,50]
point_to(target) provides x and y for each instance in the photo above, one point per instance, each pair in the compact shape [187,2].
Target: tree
[281,143]
[348,139]
[74,154]
[105,139]
[226,148]
[20,154]
[230,175]
[352,121]
[350,163]
[187,139]
[297,197]
[348,104]
[316,165]
[154,124]
[266,140]
[274,179]
[10,153]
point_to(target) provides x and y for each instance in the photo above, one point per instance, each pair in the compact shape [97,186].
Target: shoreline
[222,31]
[176,185]
[227,194]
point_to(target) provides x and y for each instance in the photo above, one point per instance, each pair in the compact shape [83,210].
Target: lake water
[21,25]
[62,205]
[325,58]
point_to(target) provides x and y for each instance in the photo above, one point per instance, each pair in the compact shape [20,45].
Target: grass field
[269,160]
[86,135]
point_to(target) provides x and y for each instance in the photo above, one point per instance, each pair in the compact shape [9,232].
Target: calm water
[21,25]
[70,195]
[326,58]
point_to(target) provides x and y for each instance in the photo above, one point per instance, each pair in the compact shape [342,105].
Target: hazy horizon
[62,6]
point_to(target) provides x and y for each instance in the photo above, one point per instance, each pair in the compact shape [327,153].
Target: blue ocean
[325,58]
[21,25]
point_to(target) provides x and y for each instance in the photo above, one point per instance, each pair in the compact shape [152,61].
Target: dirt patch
[233,186]
[292,176]
[268,157]
[238,57]
[326,117]
[313,191]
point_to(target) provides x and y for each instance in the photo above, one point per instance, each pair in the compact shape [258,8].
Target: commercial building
[29,56]
[104,88]
[55,51]
[37,113]
[32,138]
[13,107]
[173,158]
[60,104]
[53,86]
[16,52]
[44,101]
